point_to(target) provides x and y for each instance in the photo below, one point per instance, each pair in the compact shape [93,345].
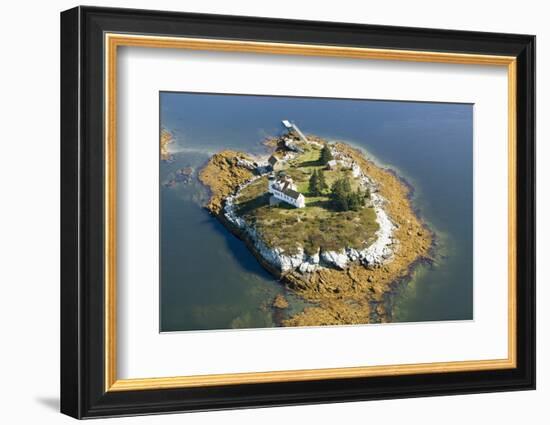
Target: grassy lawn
[318,225]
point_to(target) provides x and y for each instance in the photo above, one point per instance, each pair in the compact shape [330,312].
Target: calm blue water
[209,279]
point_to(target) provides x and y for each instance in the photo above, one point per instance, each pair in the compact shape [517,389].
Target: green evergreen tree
[322,183]
[356,200]
[353,202]
[339,195]
[346,185]
[344,198]
[344,204]
[314,183]
[326,155]
[337,190]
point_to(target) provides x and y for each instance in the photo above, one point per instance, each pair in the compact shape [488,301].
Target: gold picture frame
[91,40]
[114,41]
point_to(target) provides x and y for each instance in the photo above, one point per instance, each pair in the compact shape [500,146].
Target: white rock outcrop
[245,163]
[338,259]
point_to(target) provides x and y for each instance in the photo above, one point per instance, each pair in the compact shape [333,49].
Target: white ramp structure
[292,126]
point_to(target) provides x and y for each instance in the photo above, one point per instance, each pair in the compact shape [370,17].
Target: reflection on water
[210,280]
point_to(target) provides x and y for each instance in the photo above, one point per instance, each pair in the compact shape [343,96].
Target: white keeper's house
[283,189]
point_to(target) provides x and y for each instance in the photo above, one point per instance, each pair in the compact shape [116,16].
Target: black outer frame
[82,219]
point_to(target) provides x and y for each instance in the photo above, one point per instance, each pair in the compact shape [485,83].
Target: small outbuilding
[274,162]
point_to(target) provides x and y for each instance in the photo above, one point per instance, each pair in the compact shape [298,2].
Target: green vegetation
[317,183]
[320,225]
[344,198]
[326,155]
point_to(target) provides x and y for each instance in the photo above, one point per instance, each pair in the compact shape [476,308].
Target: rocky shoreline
[166,139]
[347,286]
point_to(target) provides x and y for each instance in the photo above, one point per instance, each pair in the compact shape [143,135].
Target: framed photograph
[261,212]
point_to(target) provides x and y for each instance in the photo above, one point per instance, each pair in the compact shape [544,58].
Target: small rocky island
[337,229]
[166,139]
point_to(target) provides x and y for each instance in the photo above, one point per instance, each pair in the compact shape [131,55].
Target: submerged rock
[280,302]
[181,176]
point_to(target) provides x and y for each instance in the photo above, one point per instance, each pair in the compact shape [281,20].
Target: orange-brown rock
[280,302]
[222,176]
[165,139]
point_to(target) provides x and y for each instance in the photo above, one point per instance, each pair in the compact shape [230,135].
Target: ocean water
[210,280]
